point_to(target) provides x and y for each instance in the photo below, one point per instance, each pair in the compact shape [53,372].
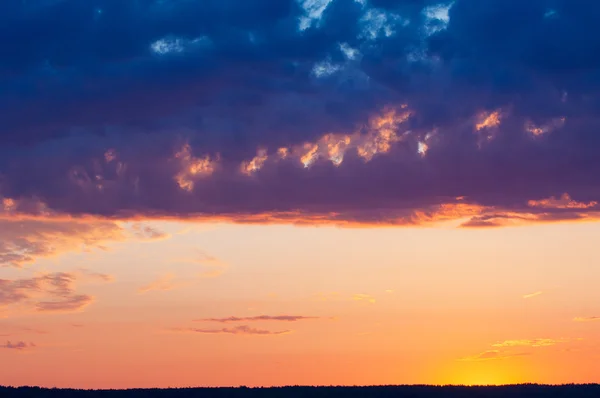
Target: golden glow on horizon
[404,312]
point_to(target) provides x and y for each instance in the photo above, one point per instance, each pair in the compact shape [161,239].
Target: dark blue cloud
[144,78]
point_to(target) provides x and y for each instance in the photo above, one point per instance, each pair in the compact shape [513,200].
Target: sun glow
[492,373]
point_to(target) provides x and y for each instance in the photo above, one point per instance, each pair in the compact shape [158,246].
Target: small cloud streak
[587,319]
[364,297]
[488,120]
[95,276]
[531,343]
[213,267]
[147,233]
[491,355]
[18,346]
[53,292]
[497,354]
[209,267]
[283,318]
[70,304]
[531,295]
[332,296]
[162,284]
[238,330]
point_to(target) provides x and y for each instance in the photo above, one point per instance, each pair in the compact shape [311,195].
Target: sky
[299,192]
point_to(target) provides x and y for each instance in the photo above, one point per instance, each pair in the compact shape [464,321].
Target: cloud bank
[370,112]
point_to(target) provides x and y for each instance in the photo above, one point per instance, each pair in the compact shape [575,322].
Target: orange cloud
[364,297]
[488,120]
[209,266]
[538,130]
[256,163]
[162,284]
[531,343]
[470,215]
[564,202]
[382,131]
[192,168]
[327,296]
[531,295]
[587,319]
[205,266]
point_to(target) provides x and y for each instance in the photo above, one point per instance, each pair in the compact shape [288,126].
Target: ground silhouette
[513,391]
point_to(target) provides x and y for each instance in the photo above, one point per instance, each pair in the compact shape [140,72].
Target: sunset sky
[299,192]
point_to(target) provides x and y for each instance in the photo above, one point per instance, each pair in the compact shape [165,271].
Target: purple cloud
[237,330]
[283,318]
[376,113]
[18,345]
[53,292]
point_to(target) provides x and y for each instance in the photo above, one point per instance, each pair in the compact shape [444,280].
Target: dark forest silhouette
[513,391]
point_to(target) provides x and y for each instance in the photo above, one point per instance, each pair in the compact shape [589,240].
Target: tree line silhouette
[422,391]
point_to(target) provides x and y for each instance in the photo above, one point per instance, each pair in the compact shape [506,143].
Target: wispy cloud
[67,304]
[587,319]
[337,296]
[237,330]
[18,345]
[331,296]
[284,318]
[162,284]
[364,297]
[500,353]
[52,292]
[86,274]
[147,233]
[23,242]
[531,295]
[207,265]
[531,342]
[203,266]
[11,330]
[492,355]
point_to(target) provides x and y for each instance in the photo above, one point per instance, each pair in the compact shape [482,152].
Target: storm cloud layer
[340,111]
